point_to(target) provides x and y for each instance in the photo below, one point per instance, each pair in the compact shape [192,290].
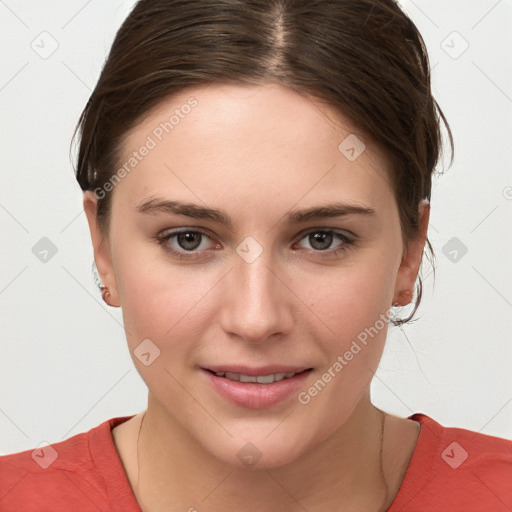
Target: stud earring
[105,293]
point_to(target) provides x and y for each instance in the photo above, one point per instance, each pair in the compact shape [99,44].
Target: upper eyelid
[345,232]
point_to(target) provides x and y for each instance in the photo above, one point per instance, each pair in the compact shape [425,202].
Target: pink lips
[255,395]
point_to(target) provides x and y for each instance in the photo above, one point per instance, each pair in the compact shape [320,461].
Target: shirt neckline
[420,469]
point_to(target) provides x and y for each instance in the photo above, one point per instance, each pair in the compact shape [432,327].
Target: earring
[104,294]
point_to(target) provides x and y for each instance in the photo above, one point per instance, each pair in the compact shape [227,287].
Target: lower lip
[254,395]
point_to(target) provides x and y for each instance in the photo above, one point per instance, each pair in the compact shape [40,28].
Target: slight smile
[256,388]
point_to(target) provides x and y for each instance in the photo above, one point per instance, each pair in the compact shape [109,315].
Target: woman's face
[265,278]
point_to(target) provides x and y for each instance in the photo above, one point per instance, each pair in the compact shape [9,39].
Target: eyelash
[163,239]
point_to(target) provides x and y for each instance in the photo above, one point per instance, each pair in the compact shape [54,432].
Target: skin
[257,152]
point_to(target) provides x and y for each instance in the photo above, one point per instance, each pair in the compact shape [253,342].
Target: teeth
[265,379]
[247,378]
[262,379]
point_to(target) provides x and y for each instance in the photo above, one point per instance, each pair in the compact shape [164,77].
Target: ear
[101,246]
[411,260]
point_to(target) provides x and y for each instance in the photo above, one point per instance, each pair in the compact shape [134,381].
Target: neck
[343,472]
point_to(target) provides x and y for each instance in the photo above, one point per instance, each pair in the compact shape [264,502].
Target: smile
[259,390]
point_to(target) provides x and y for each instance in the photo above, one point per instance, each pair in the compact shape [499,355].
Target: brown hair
[364,58]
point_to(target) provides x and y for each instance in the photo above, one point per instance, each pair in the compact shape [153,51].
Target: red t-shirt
[451,469]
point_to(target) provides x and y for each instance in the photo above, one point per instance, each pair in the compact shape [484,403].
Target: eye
[322,239]
[187,240]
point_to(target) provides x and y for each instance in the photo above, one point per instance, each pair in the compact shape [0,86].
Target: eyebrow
[154,206]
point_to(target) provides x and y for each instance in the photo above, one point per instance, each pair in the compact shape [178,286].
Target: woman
[256,179]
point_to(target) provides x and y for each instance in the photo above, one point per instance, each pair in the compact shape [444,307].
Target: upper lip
[255,371]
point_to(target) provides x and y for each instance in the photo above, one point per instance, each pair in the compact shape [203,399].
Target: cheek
[353,298]
[354,310]
[159,298]
[162,307]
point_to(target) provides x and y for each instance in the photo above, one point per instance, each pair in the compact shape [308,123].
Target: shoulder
[456,469]
[464,449]
[61,476]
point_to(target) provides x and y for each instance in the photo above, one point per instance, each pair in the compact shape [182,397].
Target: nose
[258,303]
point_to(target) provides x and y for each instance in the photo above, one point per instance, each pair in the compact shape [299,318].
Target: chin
[262,454]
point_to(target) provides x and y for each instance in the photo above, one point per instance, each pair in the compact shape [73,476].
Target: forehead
[226,141]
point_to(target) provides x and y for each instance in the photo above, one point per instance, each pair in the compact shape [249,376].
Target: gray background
[64,365]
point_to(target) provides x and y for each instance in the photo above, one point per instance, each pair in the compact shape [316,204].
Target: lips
[256,387]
